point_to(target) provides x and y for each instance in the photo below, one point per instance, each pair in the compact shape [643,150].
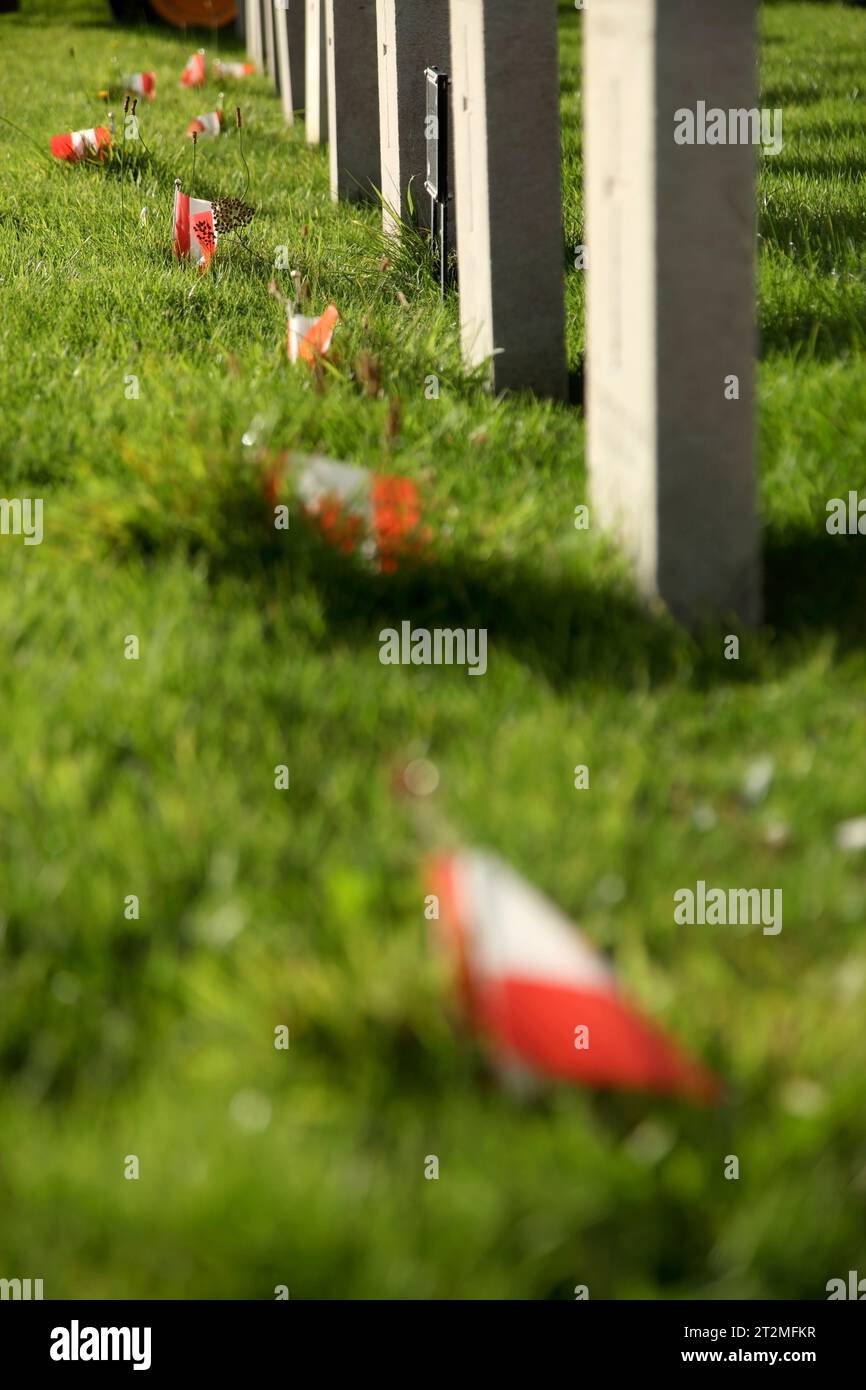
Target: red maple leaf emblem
[204,234]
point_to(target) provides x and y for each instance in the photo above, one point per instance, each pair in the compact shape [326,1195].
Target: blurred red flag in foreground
[541,993]
[80,144]
[373,515]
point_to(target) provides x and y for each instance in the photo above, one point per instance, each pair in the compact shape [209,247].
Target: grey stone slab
[353,98]
[316,74]
[255,47]
[412,35]
[268,32]
[296,25]
[510,251]
[289,18]
[671,237]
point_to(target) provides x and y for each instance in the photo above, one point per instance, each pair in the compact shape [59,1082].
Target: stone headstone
[353,98]
[296,24]
[268,32]
[412,35]
[289,43]
[254,31]
[671,236]
[277,21]
[510,251]
[282,72]
[316,74]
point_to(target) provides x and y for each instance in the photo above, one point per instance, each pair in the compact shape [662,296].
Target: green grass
[260,907]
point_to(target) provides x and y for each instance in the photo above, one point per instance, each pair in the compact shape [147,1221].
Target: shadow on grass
[579,627]
[576,634]
[808,234]
[822,129]
[574,619]
[793,93]
[816,582]
[563,628]
[133,160]
[820,336]
[821,164]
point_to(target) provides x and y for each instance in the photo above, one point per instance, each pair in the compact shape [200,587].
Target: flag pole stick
[241,150]
[123,152]
[138,125]
[74,56]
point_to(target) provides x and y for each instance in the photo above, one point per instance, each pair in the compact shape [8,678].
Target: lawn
[154,777]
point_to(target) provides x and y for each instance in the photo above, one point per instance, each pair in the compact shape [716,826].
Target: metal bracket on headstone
[437,182]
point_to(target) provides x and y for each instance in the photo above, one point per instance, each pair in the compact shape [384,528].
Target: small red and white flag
[233,69]
[374,515]
[542,995]
[210,124]
[195,233]
[142,83]
[310,338]
[81,144]
[193,74]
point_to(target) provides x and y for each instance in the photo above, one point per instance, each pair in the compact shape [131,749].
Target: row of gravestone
[670,234]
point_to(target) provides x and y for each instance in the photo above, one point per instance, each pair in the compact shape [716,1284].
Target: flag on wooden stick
[193,74]
[143,84]
[210,124]
[81,144]
[541,994]
[195,233]
[233,69]
[199,224]
[373,515]
[309,339]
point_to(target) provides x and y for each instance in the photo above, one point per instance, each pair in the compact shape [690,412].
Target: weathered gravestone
[289,41]
[671,234]
[316,74]
[254,31]
[353,98]
[276,8]
[412,35]
[510,252]
[268,34]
